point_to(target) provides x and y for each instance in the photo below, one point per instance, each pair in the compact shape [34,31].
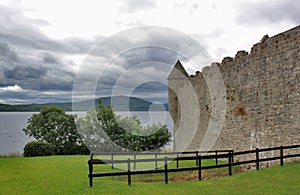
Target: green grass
[68,175]
[177,176]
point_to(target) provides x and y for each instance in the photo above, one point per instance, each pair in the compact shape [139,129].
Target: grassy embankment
[68,175]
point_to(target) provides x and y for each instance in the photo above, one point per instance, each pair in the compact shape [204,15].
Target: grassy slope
[68,175]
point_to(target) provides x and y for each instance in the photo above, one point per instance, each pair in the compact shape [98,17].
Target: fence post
[232,156]
[112,158]
[199,167]
[281,155]
[197,158]
[155,160]
[177,162]
[134,162]
[216,157]
[229,164]
[128,168]
[90,163]
[257,159]
[166,170]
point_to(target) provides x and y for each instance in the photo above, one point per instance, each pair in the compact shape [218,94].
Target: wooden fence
[198,156]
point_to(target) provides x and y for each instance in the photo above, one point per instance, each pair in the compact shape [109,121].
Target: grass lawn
[68,175]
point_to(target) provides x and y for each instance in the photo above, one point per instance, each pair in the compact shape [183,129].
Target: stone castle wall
[262,97]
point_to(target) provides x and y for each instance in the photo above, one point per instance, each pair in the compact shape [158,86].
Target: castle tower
[187,99]
[176,80]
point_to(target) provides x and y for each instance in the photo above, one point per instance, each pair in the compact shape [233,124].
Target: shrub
[38,148]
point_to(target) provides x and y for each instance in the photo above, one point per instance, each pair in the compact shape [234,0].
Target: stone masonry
[262,95]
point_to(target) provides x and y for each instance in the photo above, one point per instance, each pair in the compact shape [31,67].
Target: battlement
[266,46]
[259,91]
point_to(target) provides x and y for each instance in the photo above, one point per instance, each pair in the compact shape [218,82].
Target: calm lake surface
[13,139]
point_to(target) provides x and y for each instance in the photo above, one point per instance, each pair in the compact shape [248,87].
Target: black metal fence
[198,156]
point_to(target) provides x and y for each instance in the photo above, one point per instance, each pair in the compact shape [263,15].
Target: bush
[38,148]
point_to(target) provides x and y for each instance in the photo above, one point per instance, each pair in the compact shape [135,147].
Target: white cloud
[266,12]
[14,88]
[131,6]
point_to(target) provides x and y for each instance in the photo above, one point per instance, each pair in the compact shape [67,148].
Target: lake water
[13,139]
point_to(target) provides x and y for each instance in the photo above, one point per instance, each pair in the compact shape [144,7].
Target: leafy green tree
[128,133]
[93,135]
[54,126]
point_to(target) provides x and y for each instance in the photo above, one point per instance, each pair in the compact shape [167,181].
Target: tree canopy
[129,133]
[53,125]
[92,134]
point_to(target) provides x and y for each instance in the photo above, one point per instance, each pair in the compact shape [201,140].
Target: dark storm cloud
[137,62]
[262,12]
[24,73]
[33,61]
[140,44]
[155,87]
[16,29]
[50,59]
[131,6]
[138,56]
[159,89]
[42,66]
[138,70]
[42,72]
[7,54]
[124,52]
[146,54]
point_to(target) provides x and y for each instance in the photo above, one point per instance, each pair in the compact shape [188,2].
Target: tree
[128,133]
[54,126]
[93,135]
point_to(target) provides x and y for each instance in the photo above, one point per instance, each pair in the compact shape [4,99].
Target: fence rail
[217,154]
[156,155]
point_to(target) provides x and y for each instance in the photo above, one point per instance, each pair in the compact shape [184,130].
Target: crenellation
[262,95]
[198,74]
[264,40]
[226,60]
[255,49]
[241,55]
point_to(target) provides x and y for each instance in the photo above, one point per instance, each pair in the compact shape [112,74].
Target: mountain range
[119,103]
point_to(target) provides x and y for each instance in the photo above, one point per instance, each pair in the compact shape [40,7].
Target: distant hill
[119,103]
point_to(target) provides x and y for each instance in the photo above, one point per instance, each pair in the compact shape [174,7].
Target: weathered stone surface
[262,92]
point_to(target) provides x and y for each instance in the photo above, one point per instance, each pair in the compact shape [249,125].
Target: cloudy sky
[51,48]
